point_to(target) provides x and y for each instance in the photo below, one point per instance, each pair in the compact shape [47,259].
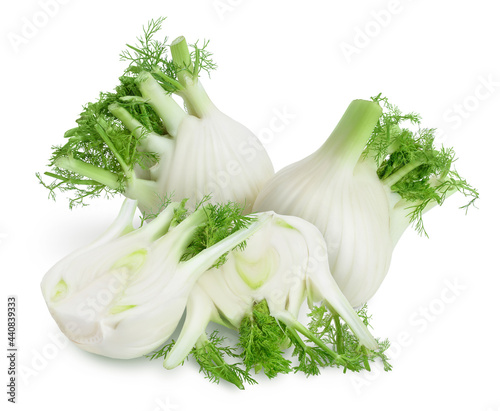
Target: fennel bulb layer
[342,195]
[217,156]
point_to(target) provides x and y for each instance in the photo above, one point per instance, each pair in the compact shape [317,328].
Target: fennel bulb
[138,141]
[362,188]
[283,263]
[123,295]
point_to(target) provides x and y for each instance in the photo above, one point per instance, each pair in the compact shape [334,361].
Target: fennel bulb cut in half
[123,295]
[363,187]
[140,142]
[281,266]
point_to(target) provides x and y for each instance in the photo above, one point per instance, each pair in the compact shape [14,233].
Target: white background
[432,57]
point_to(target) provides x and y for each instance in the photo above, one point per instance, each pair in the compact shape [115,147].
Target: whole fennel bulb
[138,141]
[123,295]
[362,188]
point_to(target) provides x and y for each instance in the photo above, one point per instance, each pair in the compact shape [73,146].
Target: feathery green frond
[333,331]
[222,221]
[410,164]
[262,340]
[210,354]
